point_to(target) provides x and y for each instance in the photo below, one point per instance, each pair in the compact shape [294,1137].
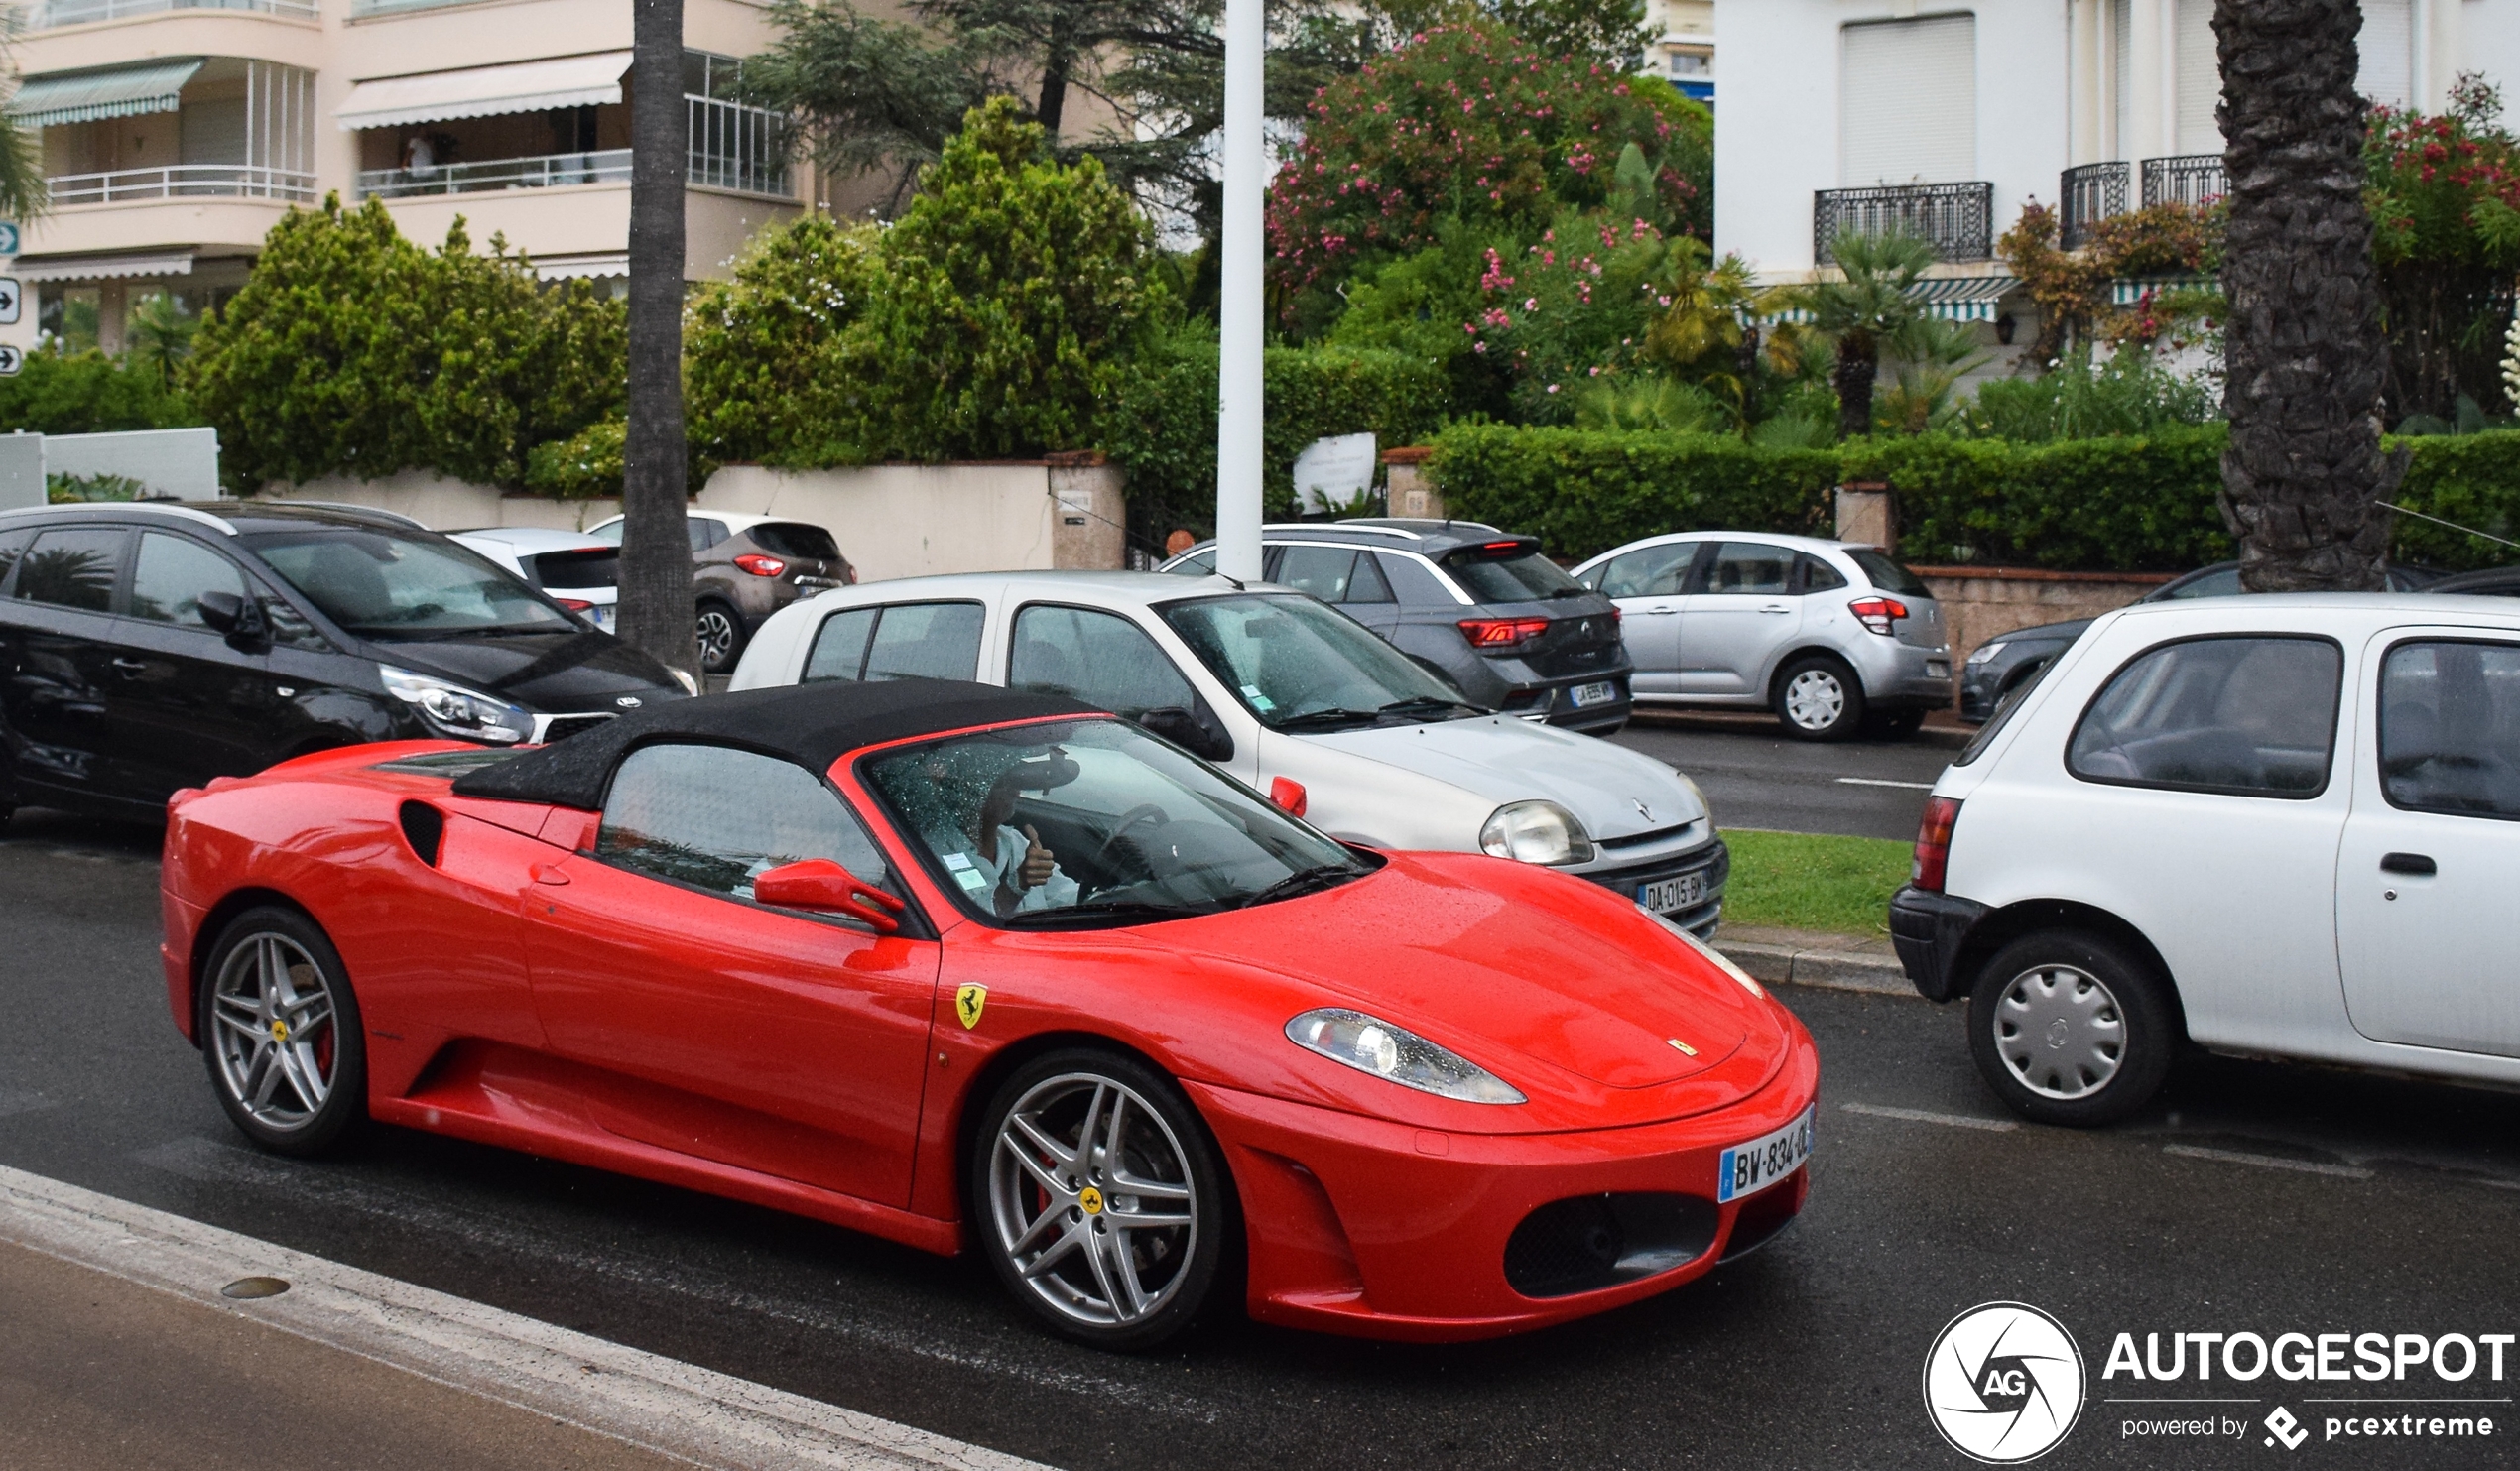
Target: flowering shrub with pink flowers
[2444,198]
[1469,123]
[1570,309]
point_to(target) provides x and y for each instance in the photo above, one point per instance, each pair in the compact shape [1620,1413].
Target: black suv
[1483,606]
[149,646]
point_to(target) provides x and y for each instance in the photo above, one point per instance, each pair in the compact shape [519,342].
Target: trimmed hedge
[2147,503]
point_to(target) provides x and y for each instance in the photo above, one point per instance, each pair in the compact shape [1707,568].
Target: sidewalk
[1811,957]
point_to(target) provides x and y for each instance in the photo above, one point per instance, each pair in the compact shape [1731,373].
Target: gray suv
[1834,636]
[1482,606]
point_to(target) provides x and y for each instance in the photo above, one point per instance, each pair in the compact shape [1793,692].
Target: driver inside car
[1009,871]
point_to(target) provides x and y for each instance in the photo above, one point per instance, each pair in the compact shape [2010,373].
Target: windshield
[1090,823]
[1300,665]
[1886,574]
[1521,577]
[390,585]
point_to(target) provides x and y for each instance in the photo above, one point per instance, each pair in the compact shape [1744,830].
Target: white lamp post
[1238,311]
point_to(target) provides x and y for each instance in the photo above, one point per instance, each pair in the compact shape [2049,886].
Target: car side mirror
[240,619]
[1187,731]
[821,883]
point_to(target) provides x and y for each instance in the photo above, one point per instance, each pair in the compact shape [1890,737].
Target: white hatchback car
[2283,826]
[580,571]
[1276,686]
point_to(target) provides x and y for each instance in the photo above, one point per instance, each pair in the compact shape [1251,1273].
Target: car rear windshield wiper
[1568,591]
[1098,908]
[1302,881]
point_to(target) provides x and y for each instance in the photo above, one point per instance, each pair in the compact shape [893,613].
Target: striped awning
[484,92]
[2129,289]
[117,91]
[1951,297]
[102,267]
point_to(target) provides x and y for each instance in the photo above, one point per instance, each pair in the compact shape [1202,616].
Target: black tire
[1894,725]
[1817,698]
[1013,1208]
[719,630]
[2073,1028]
[263,1082]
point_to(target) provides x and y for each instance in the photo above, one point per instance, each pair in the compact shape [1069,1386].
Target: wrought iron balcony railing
[51,13]
[183,182]
[2185,179]
[1957,218]
[2090,193]
[550,171]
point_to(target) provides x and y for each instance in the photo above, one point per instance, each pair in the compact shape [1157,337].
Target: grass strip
[1811,881]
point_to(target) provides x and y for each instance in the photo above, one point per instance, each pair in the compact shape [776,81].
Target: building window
[2199,79]
[1908,101]
[2387,43]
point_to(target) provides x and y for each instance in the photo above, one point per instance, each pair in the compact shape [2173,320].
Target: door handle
[1660,612]
[129,666]
[2408,863]
[1776,608]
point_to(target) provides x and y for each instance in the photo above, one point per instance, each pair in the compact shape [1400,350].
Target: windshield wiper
[1098,908]
[1330,717]
[1428,705]
[1302,881]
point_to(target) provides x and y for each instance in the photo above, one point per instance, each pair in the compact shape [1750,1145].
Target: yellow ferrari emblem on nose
[1684,1047]
[1091,1199]
[967,1002]
[279,1029]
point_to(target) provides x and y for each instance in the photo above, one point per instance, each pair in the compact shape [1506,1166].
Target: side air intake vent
[424,827]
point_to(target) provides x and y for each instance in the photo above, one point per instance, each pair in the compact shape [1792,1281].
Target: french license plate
[1678,892]
[602,614]
[1748,1169]
[1599,693]
[1937,669]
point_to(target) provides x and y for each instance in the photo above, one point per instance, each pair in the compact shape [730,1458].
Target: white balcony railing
[183,182]
[550,171]
[47,14]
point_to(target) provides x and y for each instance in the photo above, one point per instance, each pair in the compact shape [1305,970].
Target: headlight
[1984,652]
[1371,1045]
[1717,957]
[452,709]
[1536,832]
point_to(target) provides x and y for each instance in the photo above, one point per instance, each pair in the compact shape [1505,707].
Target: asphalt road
[1754,777]
[2255,1197]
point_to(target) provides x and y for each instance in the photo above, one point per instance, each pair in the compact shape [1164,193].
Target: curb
[1805,958]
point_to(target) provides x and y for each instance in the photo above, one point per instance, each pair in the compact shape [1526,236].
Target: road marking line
[2265,1161]
[1884,782]
[649,1401]
[1927,1116]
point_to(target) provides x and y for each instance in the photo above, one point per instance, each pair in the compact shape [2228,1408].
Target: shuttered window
[2387,43]
[2121,21]
[1908,102]
[2200,80]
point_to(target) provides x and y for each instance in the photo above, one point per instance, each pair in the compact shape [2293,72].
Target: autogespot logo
[2003,1382]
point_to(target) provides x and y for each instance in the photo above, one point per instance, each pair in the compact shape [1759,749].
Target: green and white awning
[61,97]
[2126,291]
[1951,297]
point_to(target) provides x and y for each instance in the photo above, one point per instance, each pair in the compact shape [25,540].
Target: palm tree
[655,548]
[2302,353]
[160,333]
[1711,332]
[23,192]
[1866,311]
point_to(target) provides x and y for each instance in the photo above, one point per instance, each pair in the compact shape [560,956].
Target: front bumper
[1928,930]
[1380,1230]
[1714,859]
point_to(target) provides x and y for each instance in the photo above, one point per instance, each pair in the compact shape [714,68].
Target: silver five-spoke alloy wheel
[1814,698]
[272,1015]
[717,637]
[2061,1031]
[1091,1197]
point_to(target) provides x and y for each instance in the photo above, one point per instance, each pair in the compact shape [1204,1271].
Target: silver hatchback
[1835,637]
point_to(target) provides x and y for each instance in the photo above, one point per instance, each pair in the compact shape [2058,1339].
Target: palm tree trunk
[2302,353]
[1858,361]
[656,548]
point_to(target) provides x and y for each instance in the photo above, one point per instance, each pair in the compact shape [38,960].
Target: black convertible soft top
[812,725]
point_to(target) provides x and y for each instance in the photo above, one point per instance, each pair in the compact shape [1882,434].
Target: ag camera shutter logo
[2004,1383]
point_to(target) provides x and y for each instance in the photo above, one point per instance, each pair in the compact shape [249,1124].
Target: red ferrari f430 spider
[974,969]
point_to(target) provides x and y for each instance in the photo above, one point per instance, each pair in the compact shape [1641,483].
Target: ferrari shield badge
[967,1002]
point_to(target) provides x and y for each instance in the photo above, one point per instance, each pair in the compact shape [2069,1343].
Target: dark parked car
[149,646]
[2003,663]
[2492,582]
[746,567]
[1483,606]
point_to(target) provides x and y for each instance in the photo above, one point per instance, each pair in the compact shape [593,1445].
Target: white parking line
[1883,781]
[2265,1161]
[710,1418]
[1926,1115]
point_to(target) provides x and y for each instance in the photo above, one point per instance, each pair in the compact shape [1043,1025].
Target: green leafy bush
[2472,479]
[759,383]
[584,466]
[1582,491]
[88,393]
[63,490]
[2130,394]
[1158,422]
[2118,504]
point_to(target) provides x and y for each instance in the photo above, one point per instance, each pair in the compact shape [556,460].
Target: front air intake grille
[1589,1242]
[561,727]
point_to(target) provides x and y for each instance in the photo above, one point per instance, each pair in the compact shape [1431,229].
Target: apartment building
[1683,51]
[176,132]
[1869,114]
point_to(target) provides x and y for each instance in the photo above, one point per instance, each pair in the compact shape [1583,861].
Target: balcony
[551,170]
[183,182]
[50,14]
[2090,193]
[1956,218]
[2186,178]
[731,147]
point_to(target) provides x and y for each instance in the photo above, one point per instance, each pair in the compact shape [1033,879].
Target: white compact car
[580,572]
[2283,826]
[1278,688]
[1833,636]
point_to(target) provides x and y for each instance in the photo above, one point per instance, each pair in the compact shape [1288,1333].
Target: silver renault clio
[1833,636]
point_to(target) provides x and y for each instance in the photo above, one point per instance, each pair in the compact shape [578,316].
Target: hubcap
[2059,1031]
[1090,1198]
[271,1016]
[1813,699]
[718,635]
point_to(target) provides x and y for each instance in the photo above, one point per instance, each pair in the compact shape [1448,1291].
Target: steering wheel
[1144,814]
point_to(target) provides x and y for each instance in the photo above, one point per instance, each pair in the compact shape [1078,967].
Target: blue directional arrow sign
[8,238]
[11,297]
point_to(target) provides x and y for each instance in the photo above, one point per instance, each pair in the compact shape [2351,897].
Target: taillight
[760,565]
[1934,843]
[573,605]
[1878,613]
[1490,634]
